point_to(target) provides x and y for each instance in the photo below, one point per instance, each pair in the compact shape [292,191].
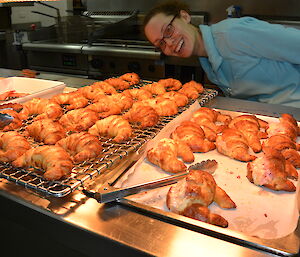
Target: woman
[247,58]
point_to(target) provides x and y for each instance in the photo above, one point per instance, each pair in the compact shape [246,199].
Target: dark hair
[169,8]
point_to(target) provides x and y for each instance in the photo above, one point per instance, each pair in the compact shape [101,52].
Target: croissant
[123,101]
[90,92]
[16,122]
[292,156]
[137,94]
[250,128]
[131,77]
[46,131]
[12,145]
[193,135]
[170,84]
[192,195]
[192,89]
[180,99]
[105,87]
[44,107]
[74,100]
[208,117]
[287,125]
[232,143]
[165,154]
[114,126]
[118,83]
[105,106]
[144,116]
[271,170]
[81,146]
[54,160]
[79,119]
[155,88]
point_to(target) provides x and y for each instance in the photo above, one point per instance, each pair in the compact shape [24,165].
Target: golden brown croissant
[121,100]
[271,170]
[163,106]
[144,116]
[165,154]
[180,99]
[137,94]
[90,92]
[250,128]
[192,89]
[78,120]
[44,107]
[118,83]
[170,84]
[81,146]
[287,125]
[46,130]
[105,87]
[191,134]
[114,126]
[105,107]
[208,117]
[292,156]
[54,160]
[232,143]
[12,145]
[131,77]
[155,88]
[74,100]
[16,122]
[198,190]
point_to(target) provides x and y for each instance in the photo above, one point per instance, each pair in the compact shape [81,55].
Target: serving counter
[34,224]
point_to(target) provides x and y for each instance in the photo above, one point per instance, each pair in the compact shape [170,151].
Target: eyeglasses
[169,30]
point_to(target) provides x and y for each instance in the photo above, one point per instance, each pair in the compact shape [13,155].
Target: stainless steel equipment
[103,44]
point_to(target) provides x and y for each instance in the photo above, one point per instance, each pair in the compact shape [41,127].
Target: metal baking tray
[113,154]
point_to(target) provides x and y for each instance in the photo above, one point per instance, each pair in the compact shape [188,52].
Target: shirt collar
[214,57]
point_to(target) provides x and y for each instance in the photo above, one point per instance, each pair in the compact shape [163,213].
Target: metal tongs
[109,193]
[5,119]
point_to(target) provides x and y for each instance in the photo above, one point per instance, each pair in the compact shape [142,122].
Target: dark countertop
[39,225]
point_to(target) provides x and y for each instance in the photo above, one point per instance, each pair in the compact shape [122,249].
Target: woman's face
[182,42]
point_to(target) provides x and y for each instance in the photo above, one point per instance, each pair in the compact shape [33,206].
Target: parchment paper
[260,212]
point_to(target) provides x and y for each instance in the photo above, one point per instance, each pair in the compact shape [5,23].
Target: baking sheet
[260,212]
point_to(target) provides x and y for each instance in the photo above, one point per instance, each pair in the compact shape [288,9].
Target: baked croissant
[192,195]
[78,120]
[271,170]
[137,94]
[54,160]
[250,128]
[192,89]
[232,143]
[163,106]
[114,126]
[16,122]
[287,125]
[90,92]
[74,100]
[180,99]
[144,116]
[105,107]
[105,87]
[170,84]
[81,146]
[118,83]
[44,107]
[155,88]
[208,117]
[46,131]
[12,145]
[131,77]
[193,135]
[165,154]
[123,101]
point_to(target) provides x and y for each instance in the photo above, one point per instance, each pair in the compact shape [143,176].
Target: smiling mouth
[179,46]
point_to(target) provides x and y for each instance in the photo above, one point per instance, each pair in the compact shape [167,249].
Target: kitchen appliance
[109,43]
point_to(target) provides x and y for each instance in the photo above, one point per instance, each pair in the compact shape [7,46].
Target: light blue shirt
[254,60]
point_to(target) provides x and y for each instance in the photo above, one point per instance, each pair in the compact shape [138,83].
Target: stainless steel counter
[82,227]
